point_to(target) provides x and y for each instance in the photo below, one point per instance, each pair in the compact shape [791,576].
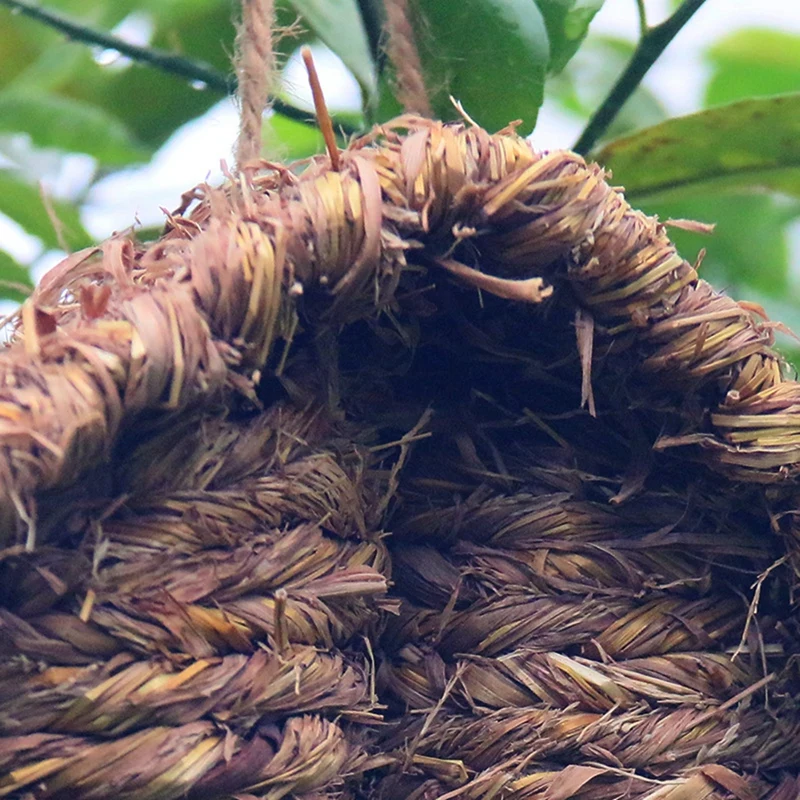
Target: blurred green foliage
[581,87]
[753,63]
[735,162]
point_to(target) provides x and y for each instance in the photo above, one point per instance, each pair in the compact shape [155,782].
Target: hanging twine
[255,64]
[402,51]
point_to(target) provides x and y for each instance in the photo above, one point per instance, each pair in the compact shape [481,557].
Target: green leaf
[71,125]
[32,48]
[18,44]
[751,143]
[150,233]
[389,106]
[753,63]
[289,140]
[749,245]
[339,25]
[567,24]
[491,55]
[15,280]
[150,103]
[23,203]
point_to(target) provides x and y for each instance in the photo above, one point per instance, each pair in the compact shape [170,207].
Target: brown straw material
[197,760]
[187,647]
[215,603]
[544,630]
[254,70]
[578,782]
[524,678]
[205,440]
[404,55]
[662,742]
[163,327]
[124,694]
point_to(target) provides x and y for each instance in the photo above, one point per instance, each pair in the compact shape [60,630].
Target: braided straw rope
[402,51]
[117,330]
[203,640]
[595,783]
[552,646]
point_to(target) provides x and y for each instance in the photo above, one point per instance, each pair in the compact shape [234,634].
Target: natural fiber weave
[176,649]
[596,783]
[161,327]
[164,762]
[543,630]
[289,441]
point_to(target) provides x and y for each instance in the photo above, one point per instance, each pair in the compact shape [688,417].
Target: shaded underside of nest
[442,474]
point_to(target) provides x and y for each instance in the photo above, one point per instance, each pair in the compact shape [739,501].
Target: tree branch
[160,59]
[651,45]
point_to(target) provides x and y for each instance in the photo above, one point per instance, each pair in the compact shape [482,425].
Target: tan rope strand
[403,53]
[254,69]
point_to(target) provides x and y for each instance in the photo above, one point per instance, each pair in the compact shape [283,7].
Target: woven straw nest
[439,475]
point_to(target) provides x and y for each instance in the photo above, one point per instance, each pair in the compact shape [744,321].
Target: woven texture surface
[440,475]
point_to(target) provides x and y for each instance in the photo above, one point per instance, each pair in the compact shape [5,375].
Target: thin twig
[170,63]
[651,45]
[643,26]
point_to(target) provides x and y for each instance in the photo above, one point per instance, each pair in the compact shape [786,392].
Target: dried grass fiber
[440,475]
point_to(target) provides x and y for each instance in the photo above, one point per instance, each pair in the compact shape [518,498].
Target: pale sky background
[194,153]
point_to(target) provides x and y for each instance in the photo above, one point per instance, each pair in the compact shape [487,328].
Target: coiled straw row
[543,632]
[120,329]
[206,638]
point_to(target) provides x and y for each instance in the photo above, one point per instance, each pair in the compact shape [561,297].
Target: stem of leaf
[651,45]
[643,26]
[191,70]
